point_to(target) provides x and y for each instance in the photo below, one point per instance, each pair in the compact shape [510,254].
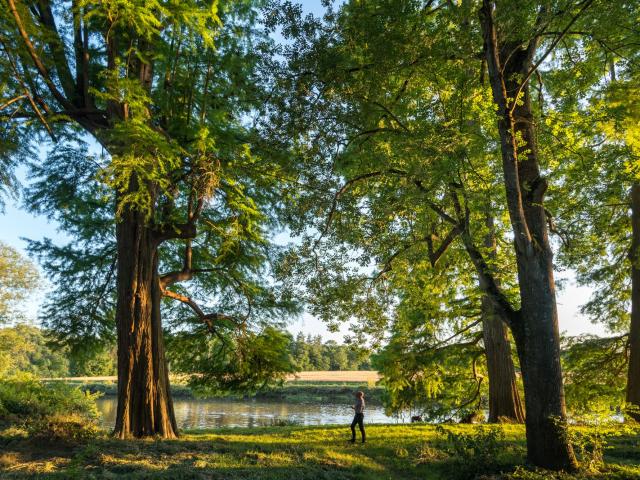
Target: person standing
[358,417]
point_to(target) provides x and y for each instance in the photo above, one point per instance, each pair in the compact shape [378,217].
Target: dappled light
[340,239]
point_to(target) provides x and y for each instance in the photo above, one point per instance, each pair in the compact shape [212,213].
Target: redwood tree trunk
[633,374]
[504,398]
[144,401]
[536,332]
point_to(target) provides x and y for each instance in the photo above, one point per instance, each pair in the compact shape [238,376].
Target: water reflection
[216,413]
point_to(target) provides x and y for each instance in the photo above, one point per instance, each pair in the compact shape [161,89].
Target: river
[215,413]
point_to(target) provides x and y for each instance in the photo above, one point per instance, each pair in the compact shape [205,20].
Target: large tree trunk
[536,332]
[538,346]
[144,401]
[504,398]
[633,374]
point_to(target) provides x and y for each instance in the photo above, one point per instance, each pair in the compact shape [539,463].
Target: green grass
[279,453]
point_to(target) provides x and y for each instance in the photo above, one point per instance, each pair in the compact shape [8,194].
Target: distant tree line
[28,348]
[310,353]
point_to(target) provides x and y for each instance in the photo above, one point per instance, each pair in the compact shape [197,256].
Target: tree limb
[549,50]
[44,73]
[12,101]
[208,319]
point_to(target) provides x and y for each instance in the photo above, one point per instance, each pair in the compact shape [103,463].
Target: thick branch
[444,215]
[448,240]
[44,73]
[56,48]
[208,319]
[506,128]
[186,231]
[488,283]
[81,47]
[28,95]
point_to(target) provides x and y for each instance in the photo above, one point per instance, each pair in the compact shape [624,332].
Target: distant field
[364,376]
[360,376]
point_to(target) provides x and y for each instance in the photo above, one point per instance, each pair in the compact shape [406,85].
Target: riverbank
[217,413]
[278,453]
[293,391]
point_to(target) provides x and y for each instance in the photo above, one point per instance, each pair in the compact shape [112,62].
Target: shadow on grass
[392,452]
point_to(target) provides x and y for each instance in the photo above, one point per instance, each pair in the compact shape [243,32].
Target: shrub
[53,412]
[476,453]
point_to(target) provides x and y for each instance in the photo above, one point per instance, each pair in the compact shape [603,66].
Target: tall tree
[396,126]
[590,137]
[511,61]
[512,41]
[167,89]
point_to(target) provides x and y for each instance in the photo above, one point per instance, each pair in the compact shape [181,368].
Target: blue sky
[16,224]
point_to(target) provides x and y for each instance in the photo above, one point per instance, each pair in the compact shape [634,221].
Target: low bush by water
[47,412]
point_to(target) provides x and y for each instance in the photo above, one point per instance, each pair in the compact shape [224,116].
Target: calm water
[195,413]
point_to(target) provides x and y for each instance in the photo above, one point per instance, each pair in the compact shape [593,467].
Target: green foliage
[158,124]
[475,453]
[47,412]
[433,362]
[18,279]
[81,309]
[595,371]
[29,349]
[100,362]
[589,447]
[236,363]
[26,349]
[391,129]
[388,109]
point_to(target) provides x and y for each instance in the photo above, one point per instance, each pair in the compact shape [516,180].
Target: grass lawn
[391,452]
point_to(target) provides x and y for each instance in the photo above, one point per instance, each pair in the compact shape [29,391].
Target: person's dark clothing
[358,419]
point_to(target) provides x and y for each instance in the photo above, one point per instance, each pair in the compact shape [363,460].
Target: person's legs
[353,428]
[361,425]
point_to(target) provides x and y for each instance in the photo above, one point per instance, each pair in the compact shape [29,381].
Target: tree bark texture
[145,407]
[536,331]
[504,397]
[633,374]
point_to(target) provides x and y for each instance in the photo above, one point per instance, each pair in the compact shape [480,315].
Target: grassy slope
[392,452]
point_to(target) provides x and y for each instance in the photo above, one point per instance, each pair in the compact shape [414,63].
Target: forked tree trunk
[536,332]
[145,407]
[633,374]
[504,398]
